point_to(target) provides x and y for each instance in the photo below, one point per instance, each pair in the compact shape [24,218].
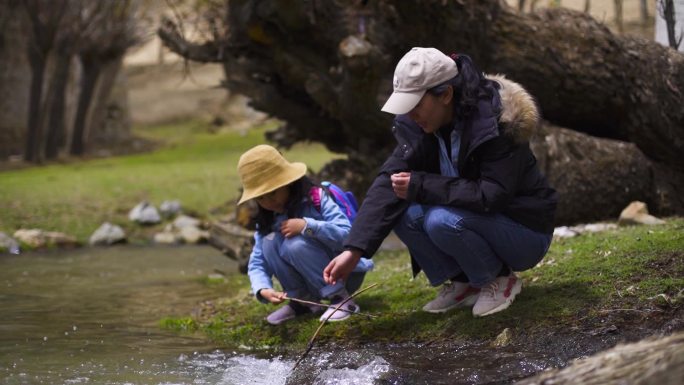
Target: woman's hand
[291,227]
[273,296]
[341,266]
[400,184]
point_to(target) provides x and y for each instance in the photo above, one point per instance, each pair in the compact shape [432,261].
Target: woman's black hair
[299,194]
[470,86]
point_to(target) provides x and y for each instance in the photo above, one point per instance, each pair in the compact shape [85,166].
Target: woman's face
[275,200]
[432,112]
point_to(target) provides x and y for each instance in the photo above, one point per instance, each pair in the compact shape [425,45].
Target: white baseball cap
[419,70]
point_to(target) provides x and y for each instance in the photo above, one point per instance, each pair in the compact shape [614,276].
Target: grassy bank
[616,277]
[191,165]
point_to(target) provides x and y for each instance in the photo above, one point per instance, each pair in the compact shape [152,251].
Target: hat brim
[295,171]
[400,103]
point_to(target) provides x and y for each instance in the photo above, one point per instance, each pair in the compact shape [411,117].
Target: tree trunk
[98,118]
[56,127]
[325,70]
[91,72]
[34,135]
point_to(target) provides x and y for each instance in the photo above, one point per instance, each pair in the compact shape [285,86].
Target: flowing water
[91,316]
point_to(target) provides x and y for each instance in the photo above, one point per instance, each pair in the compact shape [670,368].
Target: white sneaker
[345,311]
[497,296]
[451,295]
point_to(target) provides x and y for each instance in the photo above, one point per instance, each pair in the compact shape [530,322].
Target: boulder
[107,234]
[37,238]
[636,213]
[144,213]
[193,235]
[186,221]
[165,237]
[170,208]
[8,244]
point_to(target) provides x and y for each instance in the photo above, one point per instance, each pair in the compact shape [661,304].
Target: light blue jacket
[329,226]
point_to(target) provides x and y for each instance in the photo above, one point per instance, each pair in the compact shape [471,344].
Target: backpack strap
[315,194]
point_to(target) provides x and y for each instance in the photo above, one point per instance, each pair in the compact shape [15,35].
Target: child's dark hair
[299,194]
[470,86]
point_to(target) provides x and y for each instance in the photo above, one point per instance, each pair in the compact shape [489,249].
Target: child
[295,239]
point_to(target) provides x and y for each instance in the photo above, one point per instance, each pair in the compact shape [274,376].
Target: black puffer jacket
[498,172]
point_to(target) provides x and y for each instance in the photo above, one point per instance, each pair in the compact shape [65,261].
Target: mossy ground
[631,277]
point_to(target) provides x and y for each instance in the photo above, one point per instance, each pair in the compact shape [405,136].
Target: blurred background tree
[324,69]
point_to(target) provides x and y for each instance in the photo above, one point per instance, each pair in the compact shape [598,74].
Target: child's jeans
[298,263]
[448,241]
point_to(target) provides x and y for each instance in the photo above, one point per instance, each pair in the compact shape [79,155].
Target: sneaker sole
[468,301]
[514,292]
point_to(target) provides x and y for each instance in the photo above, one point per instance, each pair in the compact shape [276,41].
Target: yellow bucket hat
[263,169]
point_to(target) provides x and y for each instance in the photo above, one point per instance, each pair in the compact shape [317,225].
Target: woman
[462,188]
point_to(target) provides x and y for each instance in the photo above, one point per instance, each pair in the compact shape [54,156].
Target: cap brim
[402,102]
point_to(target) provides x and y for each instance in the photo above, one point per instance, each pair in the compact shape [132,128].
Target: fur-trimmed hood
[519,113]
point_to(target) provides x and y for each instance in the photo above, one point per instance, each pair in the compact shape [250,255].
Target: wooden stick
[324,305]
[313,338]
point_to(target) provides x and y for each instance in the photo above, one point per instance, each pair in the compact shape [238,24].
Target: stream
[91,316]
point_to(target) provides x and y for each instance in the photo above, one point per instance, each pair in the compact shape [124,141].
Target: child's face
[275,200]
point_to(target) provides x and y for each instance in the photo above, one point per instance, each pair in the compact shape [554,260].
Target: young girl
[295,239]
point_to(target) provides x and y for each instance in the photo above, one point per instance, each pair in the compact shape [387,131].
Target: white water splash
[364,375]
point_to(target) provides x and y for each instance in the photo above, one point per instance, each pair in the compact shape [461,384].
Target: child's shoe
[290,311]
[344,312]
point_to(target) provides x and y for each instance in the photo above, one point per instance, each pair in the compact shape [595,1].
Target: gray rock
[144,213]
[38,238]
[165,238]
[107,234]
[170,208]
[186,221]
[8,244]
[193,235]
[636,213]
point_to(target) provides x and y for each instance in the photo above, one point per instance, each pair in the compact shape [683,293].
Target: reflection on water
[91,317]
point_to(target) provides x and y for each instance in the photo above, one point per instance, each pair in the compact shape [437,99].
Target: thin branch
[323,322]
[326,305]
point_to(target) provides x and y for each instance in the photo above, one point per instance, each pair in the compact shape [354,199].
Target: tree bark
[56,127]
[325,70]
[34,135]
[91,73]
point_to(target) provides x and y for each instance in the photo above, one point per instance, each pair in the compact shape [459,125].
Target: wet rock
[186,221]
[107,234]
[165,238]
[8,244]
[503,339]
[564,232]
[193,235]
[144,213]
[636,213]
[170,208]
[657,360]
[573,231]
[37,238]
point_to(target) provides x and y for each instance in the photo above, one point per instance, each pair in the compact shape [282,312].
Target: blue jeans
[448,241]
[298,263]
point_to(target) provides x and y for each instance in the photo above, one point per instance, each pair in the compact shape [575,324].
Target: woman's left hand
[291,227]
[400,184]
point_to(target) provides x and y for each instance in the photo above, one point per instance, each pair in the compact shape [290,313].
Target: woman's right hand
[341,266]
[273,296]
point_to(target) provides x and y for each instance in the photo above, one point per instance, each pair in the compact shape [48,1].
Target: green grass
[194,166]
[581,278]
